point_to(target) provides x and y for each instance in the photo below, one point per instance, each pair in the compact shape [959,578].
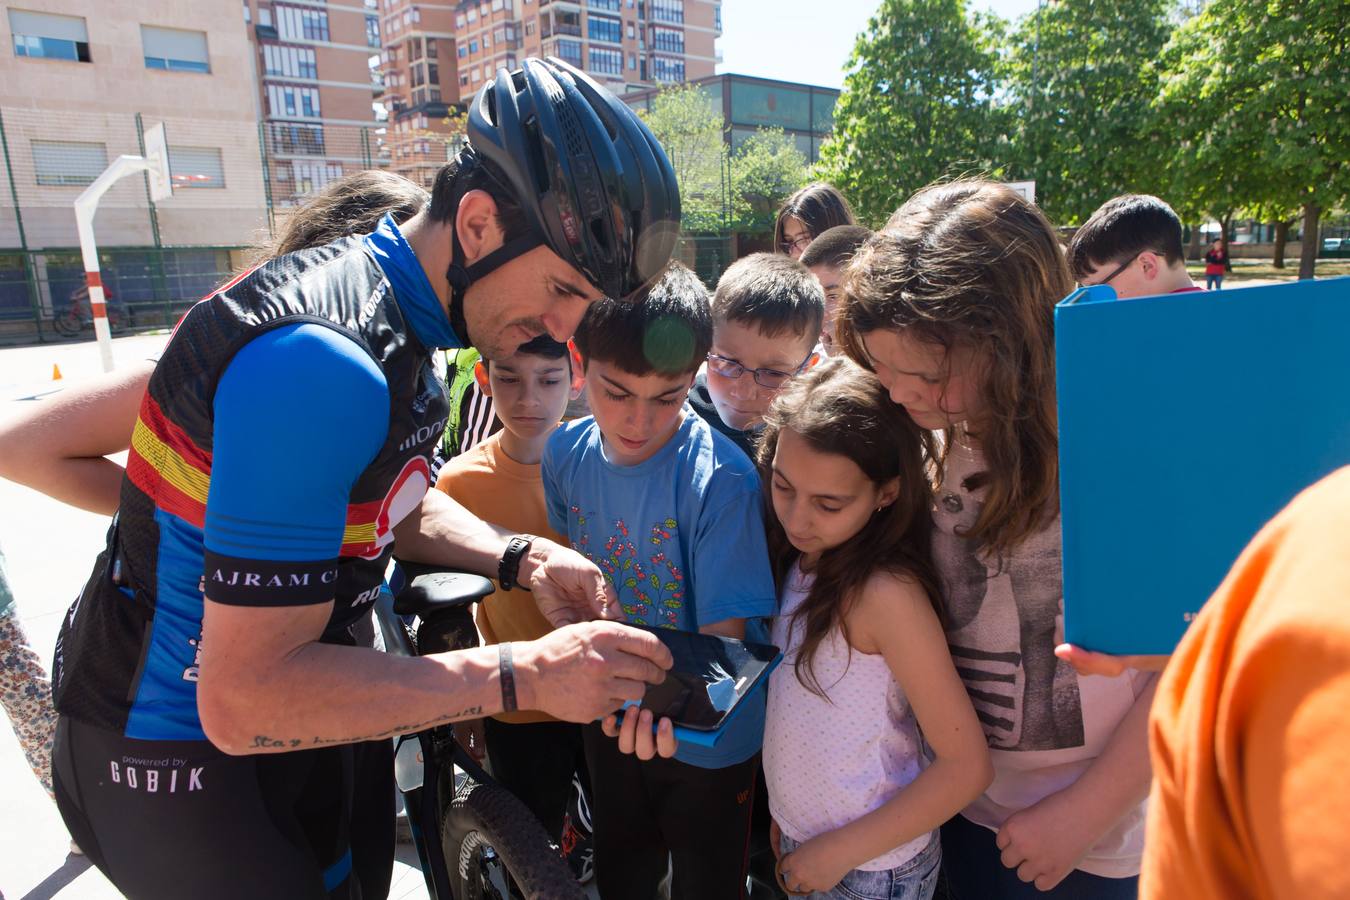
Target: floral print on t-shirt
[650,587]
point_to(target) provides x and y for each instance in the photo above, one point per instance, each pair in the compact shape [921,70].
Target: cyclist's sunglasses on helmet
[769,378]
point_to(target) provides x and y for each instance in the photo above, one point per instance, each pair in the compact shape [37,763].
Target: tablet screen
[709,677]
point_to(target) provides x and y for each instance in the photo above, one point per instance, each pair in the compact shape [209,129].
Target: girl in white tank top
[855,801]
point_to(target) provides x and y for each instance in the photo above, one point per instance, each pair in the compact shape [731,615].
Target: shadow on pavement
[72,868]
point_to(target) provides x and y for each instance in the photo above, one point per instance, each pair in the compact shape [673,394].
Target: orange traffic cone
[56,372]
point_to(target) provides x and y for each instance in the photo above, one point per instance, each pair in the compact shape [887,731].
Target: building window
[248,13]
[667,39]
[47,36]
[473,46]
[630,31]
[291,101]
[611,5]
[174,49]
[295,23]
[670,71]
[290,62]
[668,11]
[372,31]
[717,18]
[603,28]
[68,163]
[632,62]
[310,176]
[196,167]
[431,48]
[298,139]
[606,62]
[265,16]
[569,51]
[529,27]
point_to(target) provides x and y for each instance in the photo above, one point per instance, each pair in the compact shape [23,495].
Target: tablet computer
[705,687]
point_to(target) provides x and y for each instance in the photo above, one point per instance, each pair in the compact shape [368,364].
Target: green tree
[1256,92]
[688,123]
[1081,80]
[917,105]
[764,170]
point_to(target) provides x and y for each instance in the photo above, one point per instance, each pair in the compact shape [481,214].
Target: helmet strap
[461,276]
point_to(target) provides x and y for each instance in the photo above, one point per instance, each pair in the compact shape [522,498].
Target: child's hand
[1088,662]
[814,866]
[637,736]
[1047,840]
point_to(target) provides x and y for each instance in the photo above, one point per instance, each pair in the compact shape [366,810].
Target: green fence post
[158,277]
[267,179]
[13,191]
[365,146]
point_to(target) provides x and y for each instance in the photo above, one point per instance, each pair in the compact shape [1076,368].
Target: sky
[807,40]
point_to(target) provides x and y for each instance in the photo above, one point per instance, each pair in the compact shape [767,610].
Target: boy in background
[766,317]
[826,257]
[1133,243]
[671,512]
[499,481]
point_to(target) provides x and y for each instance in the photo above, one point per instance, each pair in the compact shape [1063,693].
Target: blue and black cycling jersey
[286,430]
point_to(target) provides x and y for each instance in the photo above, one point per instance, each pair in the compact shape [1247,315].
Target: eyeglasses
[1114,272]
[799,244]
[769,378]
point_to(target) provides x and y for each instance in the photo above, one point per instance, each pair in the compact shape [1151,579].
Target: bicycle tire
[488,816]
[67,325]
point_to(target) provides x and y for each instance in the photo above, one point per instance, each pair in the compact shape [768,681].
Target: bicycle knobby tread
[515,834]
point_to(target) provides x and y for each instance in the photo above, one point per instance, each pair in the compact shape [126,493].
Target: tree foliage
[721,190]
[688,123]
[1255,92]
[918,104]
[764,170]
[1080,81]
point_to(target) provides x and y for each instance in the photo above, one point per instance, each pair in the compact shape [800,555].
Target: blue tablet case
[1186,422]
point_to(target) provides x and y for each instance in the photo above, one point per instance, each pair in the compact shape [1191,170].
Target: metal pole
[154,213]
[13,191]
[86,205]
[267,179]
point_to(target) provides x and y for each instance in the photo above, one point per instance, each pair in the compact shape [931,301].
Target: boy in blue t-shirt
[671,512]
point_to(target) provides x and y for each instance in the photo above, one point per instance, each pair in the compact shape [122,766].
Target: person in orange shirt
[532,754]
[1249,728]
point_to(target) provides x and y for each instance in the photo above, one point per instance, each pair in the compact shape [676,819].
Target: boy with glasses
[1133,243]
[766,314]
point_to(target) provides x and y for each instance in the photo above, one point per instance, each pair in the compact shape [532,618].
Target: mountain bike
[475,840]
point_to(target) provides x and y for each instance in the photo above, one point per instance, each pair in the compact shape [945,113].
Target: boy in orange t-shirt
[499,481]
[1250,729]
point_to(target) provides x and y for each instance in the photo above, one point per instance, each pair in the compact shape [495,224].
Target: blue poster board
[1186,422]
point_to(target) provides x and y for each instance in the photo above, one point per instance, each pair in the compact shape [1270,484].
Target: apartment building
[418,72]
[317,82]
[80,83]
[438,55]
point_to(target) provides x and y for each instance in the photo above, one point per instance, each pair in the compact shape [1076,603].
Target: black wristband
[509,567]
[507,669]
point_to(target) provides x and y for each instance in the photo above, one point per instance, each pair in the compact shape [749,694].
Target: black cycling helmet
[593,183]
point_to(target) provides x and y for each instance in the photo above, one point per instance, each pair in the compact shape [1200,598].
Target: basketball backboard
[157,155]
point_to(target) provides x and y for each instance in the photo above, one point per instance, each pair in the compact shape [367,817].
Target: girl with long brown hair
[807,214]
[952,306]
[855,802]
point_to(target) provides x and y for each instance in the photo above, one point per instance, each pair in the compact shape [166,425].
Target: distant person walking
[1216,263]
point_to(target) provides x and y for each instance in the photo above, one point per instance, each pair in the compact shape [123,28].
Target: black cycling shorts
[174,819]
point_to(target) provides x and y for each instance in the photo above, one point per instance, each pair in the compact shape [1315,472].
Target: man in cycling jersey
[215,714]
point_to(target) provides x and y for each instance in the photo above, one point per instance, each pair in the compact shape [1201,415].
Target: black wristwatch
[509,567]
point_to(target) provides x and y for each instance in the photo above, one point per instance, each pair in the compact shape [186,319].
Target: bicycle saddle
[435,592]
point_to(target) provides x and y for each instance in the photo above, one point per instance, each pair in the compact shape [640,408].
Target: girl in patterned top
[865,659]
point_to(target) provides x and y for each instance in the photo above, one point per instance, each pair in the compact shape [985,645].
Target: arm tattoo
[265,742]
